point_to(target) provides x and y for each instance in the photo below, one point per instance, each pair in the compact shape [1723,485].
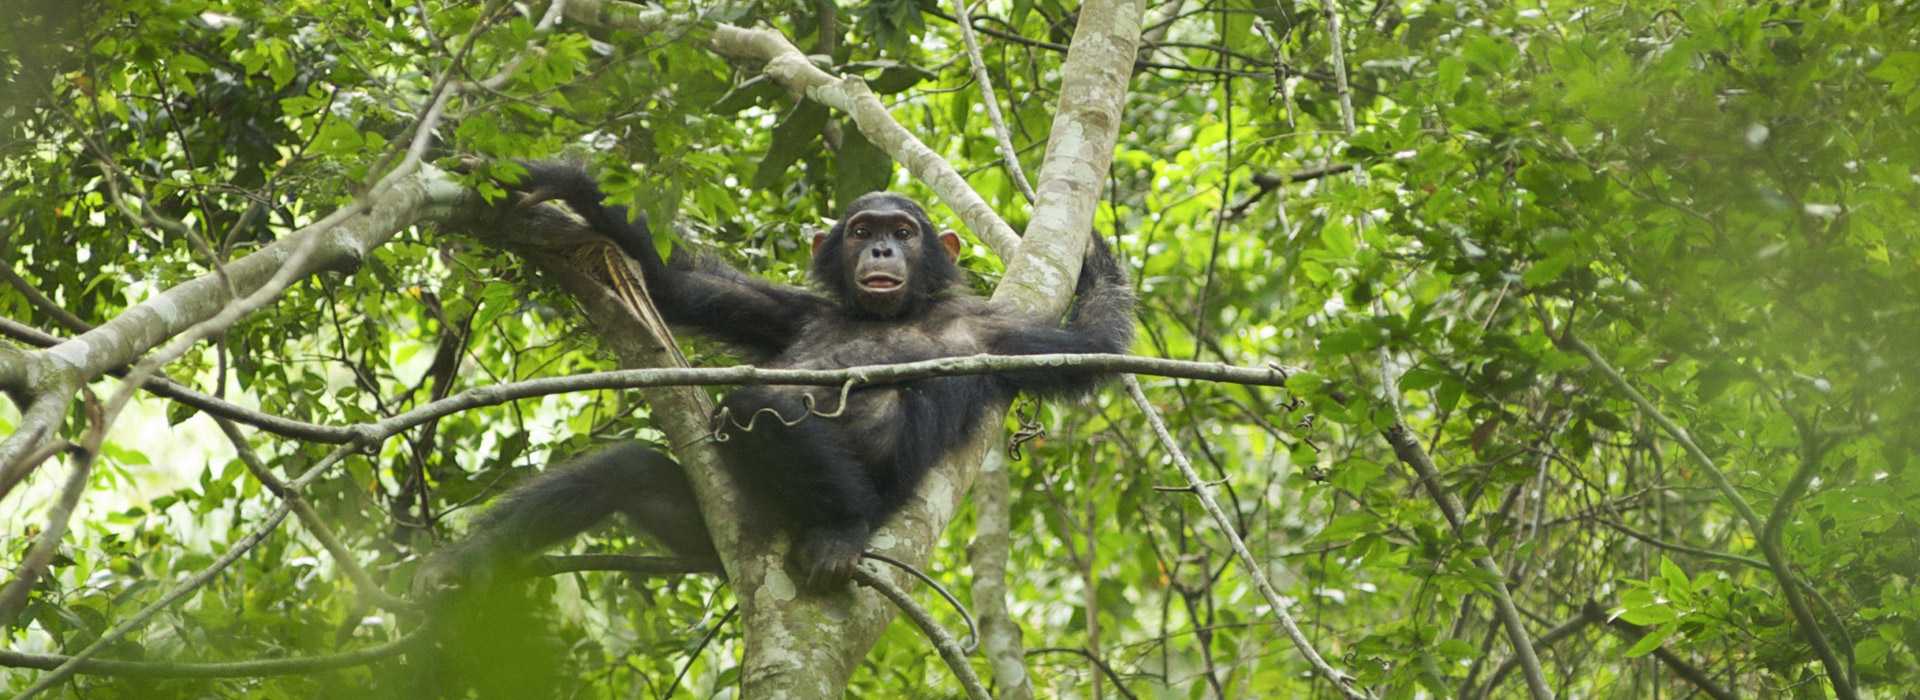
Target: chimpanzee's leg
[809,472]
[629,478]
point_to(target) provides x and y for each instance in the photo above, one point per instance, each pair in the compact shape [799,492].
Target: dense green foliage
[1721,198]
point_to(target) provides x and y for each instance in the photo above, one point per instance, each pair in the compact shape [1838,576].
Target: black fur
[832,475]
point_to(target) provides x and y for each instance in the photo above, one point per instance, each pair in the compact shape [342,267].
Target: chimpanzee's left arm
[1102,321]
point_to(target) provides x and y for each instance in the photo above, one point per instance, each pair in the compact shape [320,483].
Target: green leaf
[1653,639]
[1346,525]
[859,167]
[796,135]
[1652,614]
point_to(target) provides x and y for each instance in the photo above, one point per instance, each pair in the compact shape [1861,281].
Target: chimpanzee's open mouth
[879,282]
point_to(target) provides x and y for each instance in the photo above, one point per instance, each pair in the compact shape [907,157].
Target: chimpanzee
[889,292]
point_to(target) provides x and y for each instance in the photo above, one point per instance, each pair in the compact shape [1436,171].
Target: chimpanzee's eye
[902,234]
[861,232]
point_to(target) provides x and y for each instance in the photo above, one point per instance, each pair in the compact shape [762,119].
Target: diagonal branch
[949,649]
[1777,563]
[1003,139]
[1204,492]
[850,95]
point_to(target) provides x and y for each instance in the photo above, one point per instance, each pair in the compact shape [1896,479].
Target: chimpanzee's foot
[824,556]
[450,571]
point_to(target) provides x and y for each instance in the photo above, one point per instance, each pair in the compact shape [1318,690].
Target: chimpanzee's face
[887,254]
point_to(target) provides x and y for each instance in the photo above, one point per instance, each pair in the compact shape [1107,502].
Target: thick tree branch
[338,241]
[206,403]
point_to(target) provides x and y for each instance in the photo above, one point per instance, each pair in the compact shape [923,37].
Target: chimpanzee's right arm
[703,294]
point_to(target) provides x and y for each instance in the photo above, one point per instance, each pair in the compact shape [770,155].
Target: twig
[187,587]
[1097,663]
[949,649]
[1003,138]
[1267,183]
[1341,681]
[1769,547]
[973,630]
[705,639]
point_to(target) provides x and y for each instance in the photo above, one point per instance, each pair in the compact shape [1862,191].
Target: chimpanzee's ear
[819,237]
[950,241]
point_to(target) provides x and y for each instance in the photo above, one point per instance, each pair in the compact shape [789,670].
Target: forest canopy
[1480,350]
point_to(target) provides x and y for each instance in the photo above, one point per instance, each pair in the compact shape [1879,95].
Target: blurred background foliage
[1719,197]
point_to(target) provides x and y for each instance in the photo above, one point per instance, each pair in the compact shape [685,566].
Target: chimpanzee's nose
[881,251]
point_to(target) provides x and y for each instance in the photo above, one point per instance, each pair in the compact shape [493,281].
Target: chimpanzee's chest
[837,343]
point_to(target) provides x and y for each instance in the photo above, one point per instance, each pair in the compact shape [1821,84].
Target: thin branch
[1341,681]
[1097,663]
[253,668]
[40,301]
[1553,636]
[187,587]
[1680,667]
[342,557]
[1408,448]
[1776,559]
[949,649]
[1002,137]
[1681,548]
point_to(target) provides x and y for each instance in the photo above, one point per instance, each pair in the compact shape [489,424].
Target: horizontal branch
[252,668]
[554,565]
[867,375]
